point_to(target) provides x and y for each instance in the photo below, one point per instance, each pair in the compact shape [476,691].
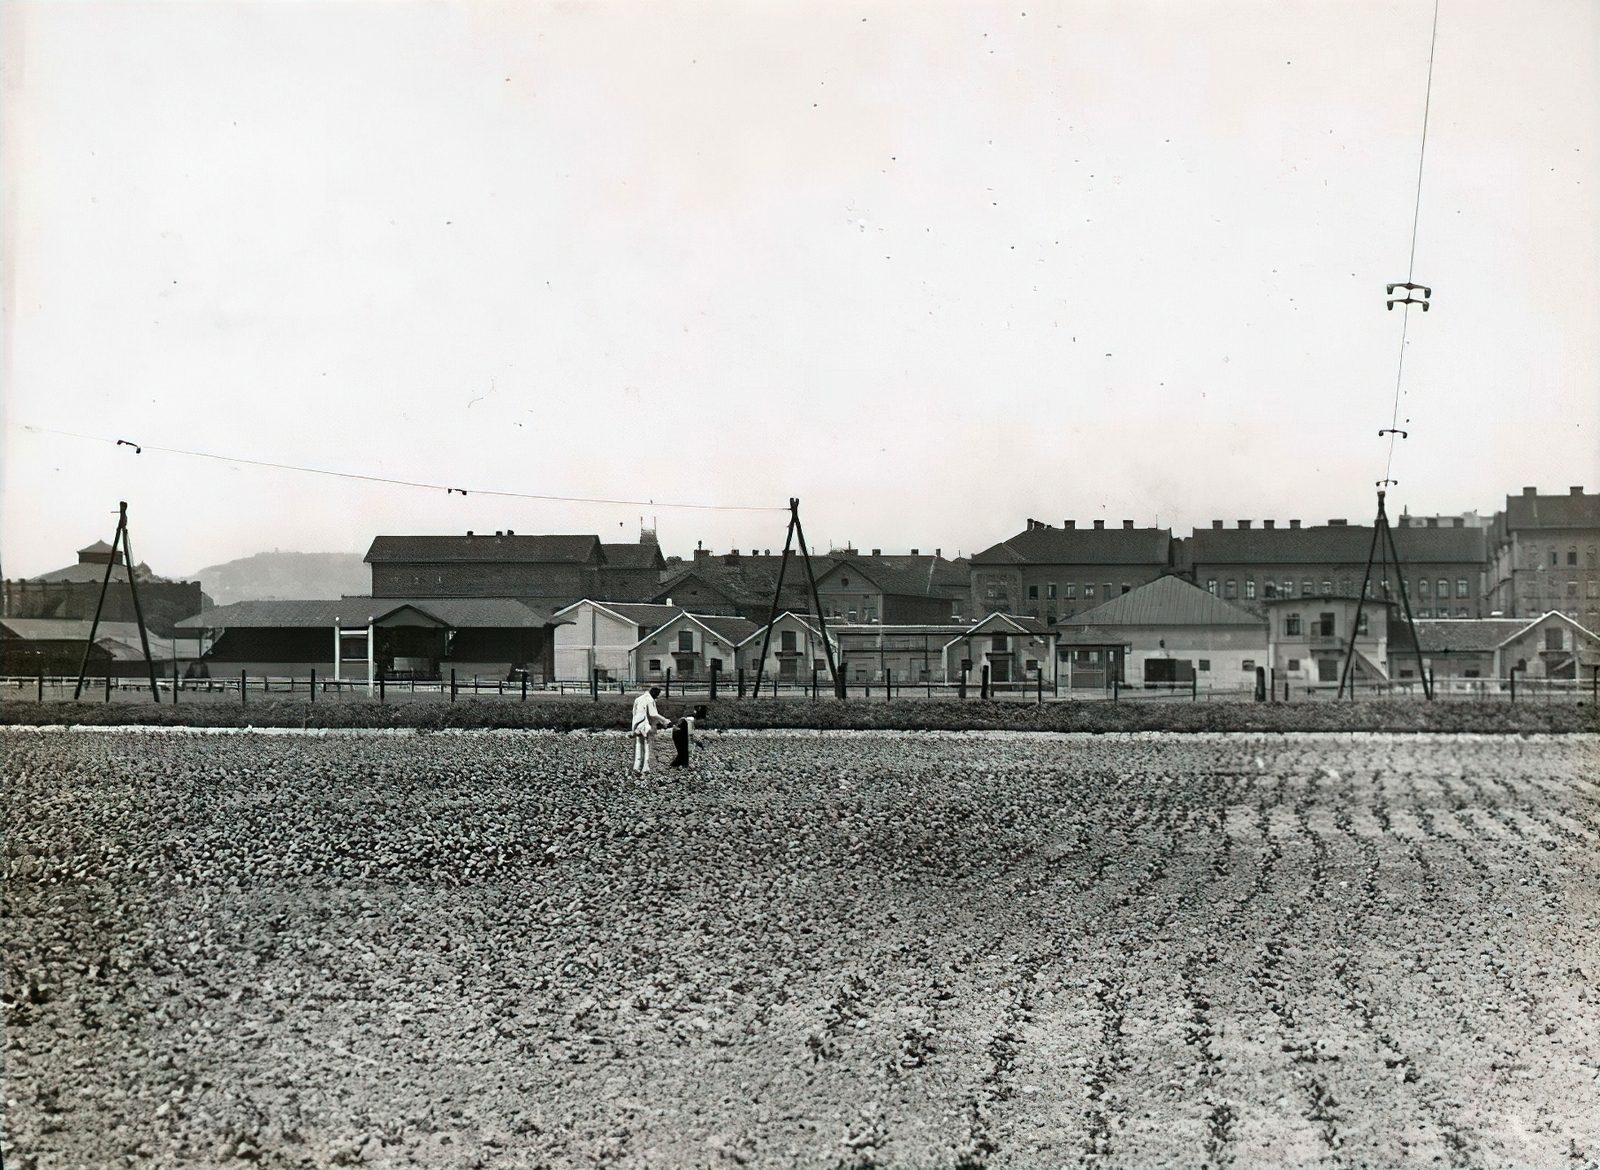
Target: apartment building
[1544,555]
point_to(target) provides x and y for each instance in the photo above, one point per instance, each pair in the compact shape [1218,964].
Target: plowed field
[857,949]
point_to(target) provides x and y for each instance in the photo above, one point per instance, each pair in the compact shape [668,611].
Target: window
[716,665]
[1033,666]
[1205,664]
[1248,664]
[1572,589]
[989,592]
[1461,586]
[1271,589]
[1250,588]
[1105,589]
[1462,611]
[789,641]
[851,616]
[1552,639]
[655,666]
[1211,586]
[845,581]
[1422,587]
[1072,589]
[1088,591]
[1305,588]
[1594,588]
[1033,593]
[1344,586]
[1443,589]
[1572,556]
[1294,665]
[1288,588]
[870,613]
[1291,625]
[1230,588]
[1325,624]
[1050,591]
[998,645]
[686,641]
[1327,589]
[1327,670]
[1554,558]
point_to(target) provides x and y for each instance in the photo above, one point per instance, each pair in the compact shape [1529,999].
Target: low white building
[1165,633]
[795,650]
[1015,649]
[600,635]
[691,646]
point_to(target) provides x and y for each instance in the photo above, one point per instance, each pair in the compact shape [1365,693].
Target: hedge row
[971,715]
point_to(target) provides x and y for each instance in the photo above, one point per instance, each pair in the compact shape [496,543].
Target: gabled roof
[1332,543]
[633,556]
[636,613]
[1166,601]
[1011,622]
[751,580]
[1045,545]
[1568,511]
[941,574]
[732,630]
[888,578]
[548,550]
[98,548]
[806,620]
[455,612]
[1467,635]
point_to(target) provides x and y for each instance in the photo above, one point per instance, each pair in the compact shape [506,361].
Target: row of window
[1069,590]
[1310,588]
[1535,559]
[1554,588]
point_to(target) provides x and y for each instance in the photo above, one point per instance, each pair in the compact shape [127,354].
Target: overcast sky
[934,269]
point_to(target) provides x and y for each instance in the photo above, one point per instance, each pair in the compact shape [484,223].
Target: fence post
[108,684]
[713,690]
[1038,676]
[1595,687]
[41,686]
[961,687]
[774,686]
[313,684]
[740,672]
[814,682]
[1194,687]
[1513,675]
[1116,687]
[524,686]
[452,684]
[244,685]
[382,678]
[888,684]
[594,683]
[983,692]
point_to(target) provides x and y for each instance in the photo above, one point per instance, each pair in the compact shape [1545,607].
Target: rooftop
[1166,601]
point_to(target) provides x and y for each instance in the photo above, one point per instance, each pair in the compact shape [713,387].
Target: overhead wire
[1411,263]
[139,448]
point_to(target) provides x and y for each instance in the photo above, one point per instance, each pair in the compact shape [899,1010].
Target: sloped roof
[751,580]
[98,548]
[84,571]
[1166,601]
[941,574]
[1566,511]
[456,612]
[731,630]
[567,550]
[117,637]
[807,620]
[632,556]
[1467,635]
[1045,545]
[1017,623]
[890,578]
[1332,543]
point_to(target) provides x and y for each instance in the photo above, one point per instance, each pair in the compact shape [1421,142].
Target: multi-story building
[1051,573]
[875,589]
[1442,567]
[1545,555]
[736,584]
[544,572]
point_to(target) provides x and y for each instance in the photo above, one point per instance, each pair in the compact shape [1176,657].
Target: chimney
[1530,491]
[702,554]
[1269,524]
[469,532]
[1127,523]
[1216,524]
[938,552]
[1433,522]
[1577,491]
[1403,521]
[1244,524]
[877,552]
[915,553]
[1294,524]
[509,532]
[498,532]
[1458,522]
[1099,523]
[1337,523]
[732,558]
[1069,524]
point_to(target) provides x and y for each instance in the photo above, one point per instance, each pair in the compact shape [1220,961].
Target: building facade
[592,636]
[1545,555]
[1051,574]
[868,590]
[72,593]
[691,646]
[1443,568]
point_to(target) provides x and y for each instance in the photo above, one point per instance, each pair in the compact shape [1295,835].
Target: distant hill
[281,576]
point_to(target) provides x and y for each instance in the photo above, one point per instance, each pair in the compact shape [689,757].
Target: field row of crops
[859,950]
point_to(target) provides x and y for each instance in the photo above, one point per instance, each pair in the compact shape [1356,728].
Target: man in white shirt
[645,721]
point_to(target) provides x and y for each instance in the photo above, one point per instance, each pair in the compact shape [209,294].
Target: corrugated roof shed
[432,550]
[117,637]
[457,612]
[1468,635]
[731,629]
[1166,601]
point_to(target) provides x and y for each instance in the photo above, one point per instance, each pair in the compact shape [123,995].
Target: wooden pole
[816,600]
[243,684]
[138,611]
[777,593]
[94,626]
[313,684]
